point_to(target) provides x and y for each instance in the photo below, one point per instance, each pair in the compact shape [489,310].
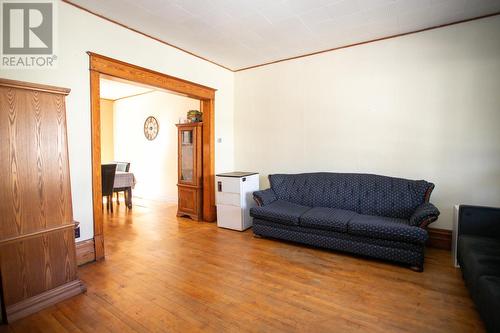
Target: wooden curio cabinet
[190,170]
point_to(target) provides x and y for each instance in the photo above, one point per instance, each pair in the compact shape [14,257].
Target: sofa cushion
[386,228]
[264,197]
[327,218]
[478,256]
[488,301]
[280,211]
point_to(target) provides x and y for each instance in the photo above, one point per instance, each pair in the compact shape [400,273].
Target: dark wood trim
[144,34]
[209,209]
[95,115]
[439,238]
[366,42]
[34,86]
[43,300]
[99,247]
[123,70]
[85,252]
[109,67]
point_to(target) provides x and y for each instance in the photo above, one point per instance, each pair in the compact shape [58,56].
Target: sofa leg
[418,269]
[257,236]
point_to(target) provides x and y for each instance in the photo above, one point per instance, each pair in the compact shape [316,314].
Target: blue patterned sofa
[368,215]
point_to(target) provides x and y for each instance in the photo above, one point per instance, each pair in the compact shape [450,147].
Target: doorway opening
[102,67]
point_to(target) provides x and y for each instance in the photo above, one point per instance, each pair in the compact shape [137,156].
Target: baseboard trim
[99,247]
[43,300]
[439,238]
[85,252]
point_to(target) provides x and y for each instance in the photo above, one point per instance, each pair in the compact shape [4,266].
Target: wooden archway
[101,65]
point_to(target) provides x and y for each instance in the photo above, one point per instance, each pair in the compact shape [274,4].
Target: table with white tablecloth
[124,181]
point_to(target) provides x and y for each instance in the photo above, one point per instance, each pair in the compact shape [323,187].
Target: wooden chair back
[108,172]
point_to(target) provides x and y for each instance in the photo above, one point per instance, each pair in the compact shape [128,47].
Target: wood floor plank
[169,274]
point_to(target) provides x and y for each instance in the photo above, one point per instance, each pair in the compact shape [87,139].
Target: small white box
[234,198]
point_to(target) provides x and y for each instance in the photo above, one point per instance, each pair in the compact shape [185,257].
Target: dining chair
[108,172]
[123,167]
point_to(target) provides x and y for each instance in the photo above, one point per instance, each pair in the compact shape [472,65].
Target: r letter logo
[28,34]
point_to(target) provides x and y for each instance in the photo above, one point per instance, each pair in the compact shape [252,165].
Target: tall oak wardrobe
[37,236]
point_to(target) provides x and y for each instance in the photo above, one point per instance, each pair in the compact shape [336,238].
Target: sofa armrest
[424,215]
[264,197]
[479,221]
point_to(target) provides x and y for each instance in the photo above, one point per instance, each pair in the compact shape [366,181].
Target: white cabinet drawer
[228,184]
[230,217]
[227,198]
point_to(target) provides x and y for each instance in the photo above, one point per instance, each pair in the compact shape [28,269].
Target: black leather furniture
[478,251]
[369,215]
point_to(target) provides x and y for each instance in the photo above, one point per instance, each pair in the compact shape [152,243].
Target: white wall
[79,32]
[107,135]
[423,106]
[154,163]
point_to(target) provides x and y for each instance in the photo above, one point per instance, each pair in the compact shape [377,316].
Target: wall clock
[151,128]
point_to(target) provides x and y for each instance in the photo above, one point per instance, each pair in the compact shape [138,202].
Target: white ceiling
[243,33]
[113,90]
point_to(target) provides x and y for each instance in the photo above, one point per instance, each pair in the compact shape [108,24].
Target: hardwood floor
[168,274]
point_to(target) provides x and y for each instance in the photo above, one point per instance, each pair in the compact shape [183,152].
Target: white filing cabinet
[234,198]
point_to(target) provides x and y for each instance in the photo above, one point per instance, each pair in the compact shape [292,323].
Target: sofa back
[362,193]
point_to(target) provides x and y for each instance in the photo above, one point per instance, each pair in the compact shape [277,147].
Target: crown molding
[283,59]
[144,34]
[367,42]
